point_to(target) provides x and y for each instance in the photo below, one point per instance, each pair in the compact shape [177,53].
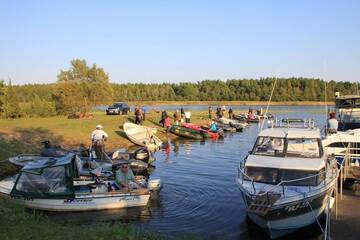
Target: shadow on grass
[131,119]
[121,133]
[32,137]
[156,123]
[24,140]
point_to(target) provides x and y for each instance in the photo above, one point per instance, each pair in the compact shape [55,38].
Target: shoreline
[232,103]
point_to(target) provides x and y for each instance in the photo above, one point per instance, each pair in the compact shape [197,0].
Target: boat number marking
[23,197]
[129,198]
[77,201]
[297,206]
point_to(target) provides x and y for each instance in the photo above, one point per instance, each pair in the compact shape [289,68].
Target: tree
[2,96]
[82,87]
[11,107]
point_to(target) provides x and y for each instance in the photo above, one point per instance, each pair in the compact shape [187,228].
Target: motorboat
[142,136]
[57,185]
[139,159]
[287,180]
[347,108]
[239,125]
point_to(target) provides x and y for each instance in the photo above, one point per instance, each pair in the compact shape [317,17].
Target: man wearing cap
[98,137]
[124,178]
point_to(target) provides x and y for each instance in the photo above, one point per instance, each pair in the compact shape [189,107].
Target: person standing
[182,112]
[230,112]
[98,138]
[210,112]
[177,117]
[167,122]
[218,112]
[187,117]
[138,115]
[333,124]
[163,117]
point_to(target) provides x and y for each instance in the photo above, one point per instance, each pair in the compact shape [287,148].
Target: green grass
[16,223]
[73,132]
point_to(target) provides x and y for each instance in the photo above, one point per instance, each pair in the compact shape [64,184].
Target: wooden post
[341,183]
[336,198]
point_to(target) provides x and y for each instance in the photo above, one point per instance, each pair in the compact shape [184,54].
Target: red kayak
[202,130]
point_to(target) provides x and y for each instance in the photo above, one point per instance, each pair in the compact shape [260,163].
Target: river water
[200,197]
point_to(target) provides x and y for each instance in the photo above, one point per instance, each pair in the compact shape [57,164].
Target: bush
[38,108]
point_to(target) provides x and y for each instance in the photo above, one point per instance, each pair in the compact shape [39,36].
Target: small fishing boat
[192,133]
[255,119]
[142,135]
[286,180]
[56,185]
[226,127]
[233,123]
[206,131]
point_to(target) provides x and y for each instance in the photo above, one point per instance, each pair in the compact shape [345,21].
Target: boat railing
[352,153]
[292,123]
[280,188]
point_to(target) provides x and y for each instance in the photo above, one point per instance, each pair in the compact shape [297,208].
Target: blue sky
[174,41]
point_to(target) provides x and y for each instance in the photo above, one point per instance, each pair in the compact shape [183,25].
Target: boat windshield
[305,148]
[300,147]
[269,146]
[288,177]
[47,181]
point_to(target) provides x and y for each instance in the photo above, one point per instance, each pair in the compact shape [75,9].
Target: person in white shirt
[333,124]
[98,138]
[187,117]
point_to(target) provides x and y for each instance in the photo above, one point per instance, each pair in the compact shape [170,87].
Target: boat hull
[186,132]
[288,217]
[86,203]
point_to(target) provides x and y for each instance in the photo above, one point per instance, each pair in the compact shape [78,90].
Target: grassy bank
[72,132]
[17,223]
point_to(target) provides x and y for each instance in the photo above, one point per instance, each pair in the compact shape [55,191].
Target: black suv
[118,108]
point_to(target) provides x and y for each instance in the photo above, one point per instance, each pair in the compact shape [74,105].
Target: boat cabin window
[304,148]
[275,176]
[261,174]
[347,103]
[269,146]
[298,177]
[47,181]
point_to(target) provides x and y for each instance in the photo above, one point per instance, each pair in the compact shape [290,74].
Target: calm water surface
[200,196]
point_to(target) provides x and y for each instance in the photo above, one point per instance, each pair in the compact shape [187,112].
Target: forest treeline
[82,87]
[286,89]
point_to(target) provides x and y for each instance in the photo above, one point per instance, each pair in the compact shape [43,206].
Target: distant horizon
[187,41]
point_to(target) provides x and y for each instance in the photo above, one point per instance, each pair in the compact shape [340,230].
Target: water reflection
[200,196]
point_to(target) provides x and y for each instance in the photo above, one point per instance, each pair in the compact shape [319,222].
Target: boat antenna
[325,98]
[268,104]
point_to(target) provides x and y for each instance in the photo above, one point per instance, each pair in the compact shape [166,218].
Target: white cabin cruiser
[56,184]
[347,108]
[286,180]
